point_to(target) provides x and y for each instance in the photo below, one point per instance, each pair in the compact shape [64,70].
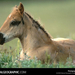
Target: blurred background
[57,16]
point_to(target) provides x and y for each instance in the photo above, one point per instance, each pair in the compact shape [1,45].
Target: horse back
[64,48]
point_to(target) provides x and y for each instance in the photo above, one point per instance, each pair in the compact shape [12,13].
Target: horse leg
[22,56]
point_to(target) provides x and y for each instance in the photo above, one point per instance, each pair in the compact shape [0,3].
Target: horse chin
[8,39]
[2,41]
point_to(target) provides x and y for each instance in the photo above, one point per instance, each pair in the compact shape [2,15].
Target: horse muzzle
[2,39]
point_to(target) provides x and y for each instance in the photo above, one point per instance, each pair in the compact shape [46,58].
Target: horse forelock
[15,9]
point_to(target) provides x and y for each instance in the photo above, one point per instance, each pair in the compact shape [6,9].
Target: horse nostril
[2,39]
[1,35]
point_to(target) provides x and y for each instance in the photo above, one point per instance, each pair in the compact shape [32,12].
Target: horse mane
[38,25]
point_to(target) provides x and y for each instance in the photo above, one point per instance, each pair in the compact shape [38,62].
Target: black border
[38,71]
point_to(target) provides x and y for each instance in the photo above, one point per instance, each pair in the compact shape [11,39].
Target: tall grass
[11,60]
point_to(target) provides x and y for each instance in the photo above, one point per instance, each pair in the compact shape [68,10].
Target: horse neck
[34,38]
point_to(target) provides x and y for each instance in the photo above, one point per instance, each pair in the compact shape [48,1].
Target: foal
[34,39]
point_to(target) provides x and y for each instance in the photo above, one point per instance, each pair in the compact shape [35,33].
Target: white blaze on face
[9,15]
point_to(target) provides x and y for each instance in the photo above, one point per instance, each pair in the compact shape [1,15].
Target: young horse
[34,39]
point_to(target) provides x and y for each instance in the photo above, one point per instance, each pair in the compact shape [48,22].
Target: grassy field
[57,17]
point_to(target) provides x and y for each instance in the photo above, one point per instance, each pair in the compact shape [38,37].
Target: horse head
[13,25]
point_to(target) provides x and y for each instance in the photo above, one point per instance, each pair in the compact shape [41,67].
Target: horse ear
[21,8]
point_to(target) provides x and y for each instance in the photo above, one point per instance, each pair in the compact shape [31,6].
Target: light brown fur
[35,40]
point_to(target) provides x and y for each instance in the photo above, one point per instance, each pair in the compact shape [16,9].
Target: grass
[57,17]
[10,59]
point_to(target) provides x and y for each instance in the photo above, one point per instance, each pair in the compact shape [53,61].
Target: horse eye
[14,23]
